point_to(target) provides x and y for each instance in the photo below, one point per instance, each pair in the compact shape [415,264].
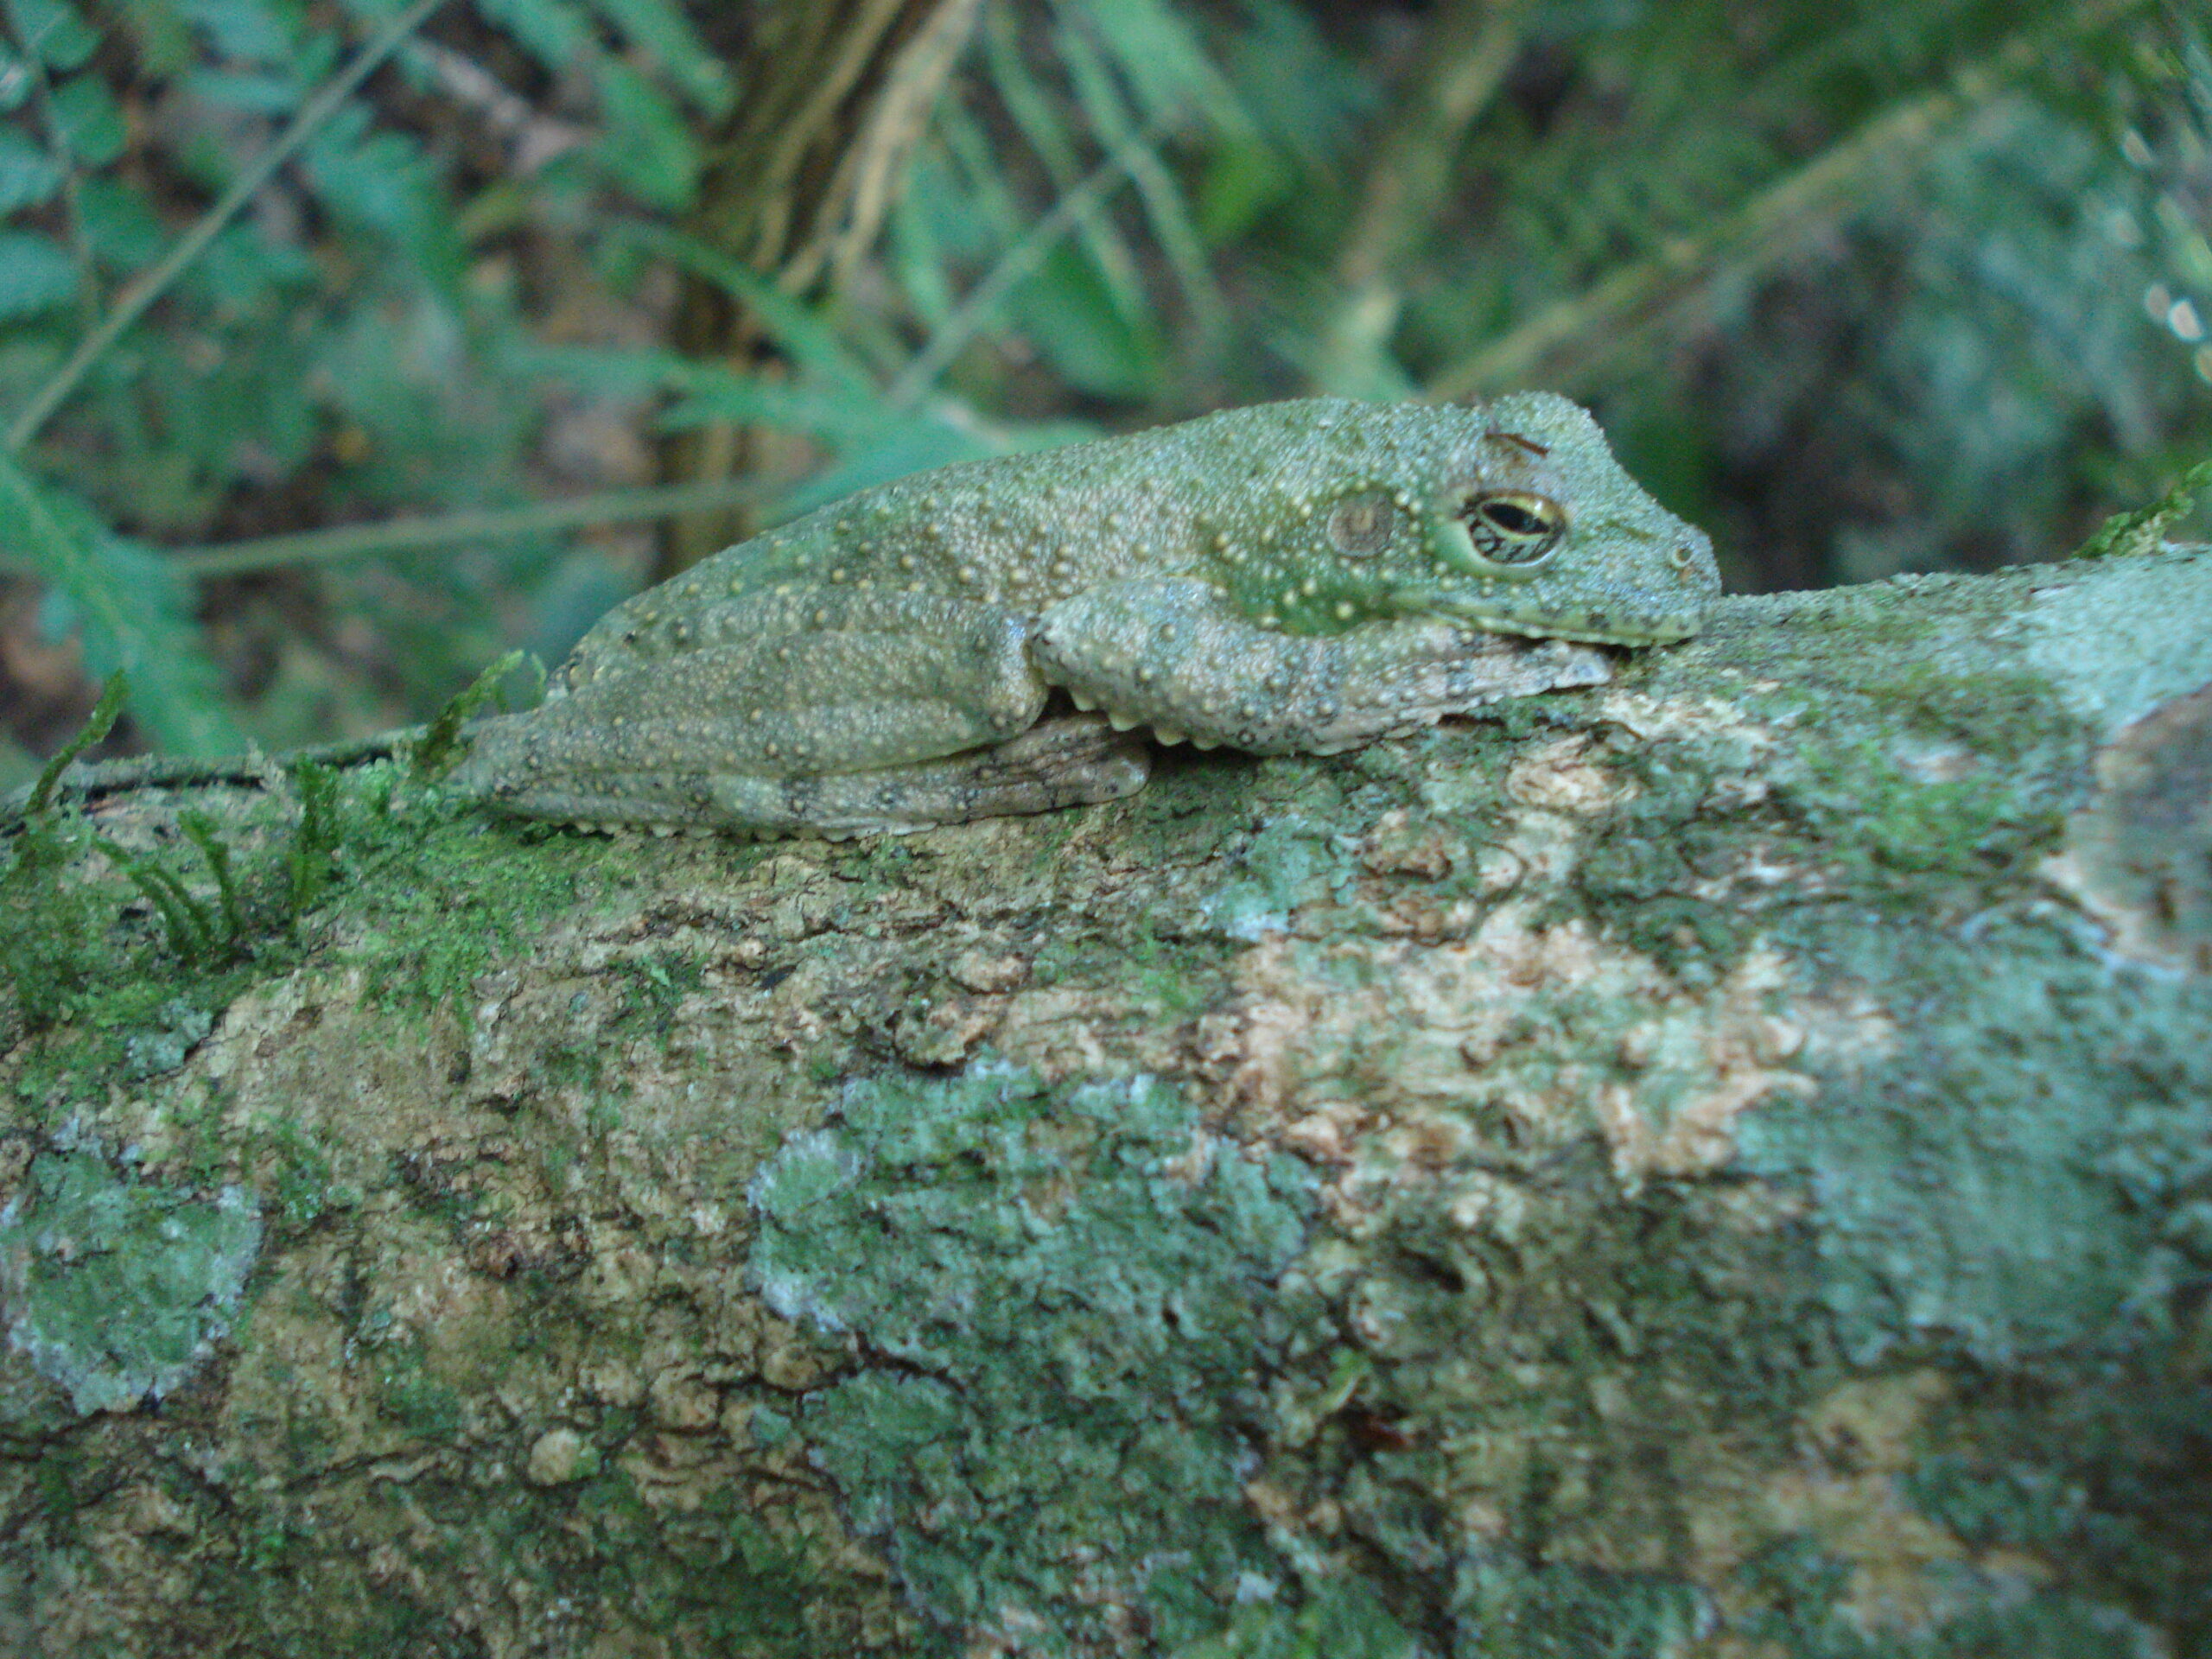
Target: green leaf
[2143,531]
[27,174]
[131,609]
[1047,132]
[554,32]
[662,29]
[435,752]
[36,274]
[382,179]
[119,227]
[1163,198]
[160,33]
[647,144]
[51,31]
[96,726]
[250,92]
[244,31]
[90,119]
[746,398]
[798,332]
[909,444]
[243,268]
[1069,314]
[1167,69]
[1241,181]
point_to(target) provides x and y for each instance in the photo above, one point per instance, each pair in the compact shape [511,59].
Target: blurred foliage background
[344,345]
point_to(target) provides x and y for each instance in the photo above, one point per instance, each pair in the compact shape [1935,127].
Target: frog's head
[1512,516]
[1532,528]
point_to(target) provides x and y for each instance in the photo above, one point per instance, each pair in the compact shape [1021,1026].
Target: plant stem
[1466,49]
[413,534]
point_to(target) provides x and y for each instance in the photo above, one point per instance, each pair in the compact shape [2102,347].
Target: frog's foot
[1174,655]
[1073,761]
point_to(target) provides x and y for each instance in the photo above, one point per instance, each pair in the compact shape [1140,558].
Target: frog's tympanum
[1299,577]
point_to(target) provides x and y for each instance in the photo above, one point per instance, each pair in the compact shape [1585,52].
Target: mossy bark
[1717,1166]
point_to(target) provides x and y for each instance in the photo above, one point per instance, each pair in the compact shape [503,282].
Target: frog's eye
[1514,526]
[1361,526]
[1509,533]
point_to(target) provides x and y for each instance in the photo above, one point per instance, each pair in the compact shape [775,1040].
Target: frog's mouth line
[1589,626]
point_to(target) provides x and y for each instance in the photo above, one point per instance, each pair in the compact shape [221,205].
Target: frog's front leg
[1176,656]
[847,711]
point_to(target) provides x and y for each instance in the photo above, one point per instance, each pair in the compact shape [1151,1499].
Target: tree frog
[989,638]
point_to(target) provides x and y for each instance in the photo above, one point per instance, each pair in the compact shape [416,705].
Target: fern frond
[132,610]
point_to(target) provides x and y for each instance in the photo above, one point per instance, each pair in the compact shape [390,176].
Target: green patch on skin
[1075,1289]
[117,1289]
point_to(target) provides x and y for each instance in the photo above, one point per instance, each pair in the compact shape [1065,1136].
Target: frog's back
[1025,532]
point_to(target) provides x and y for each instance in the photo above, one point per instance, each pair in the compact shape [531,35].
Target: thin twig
[1602,318]
[143,291]
[447,530]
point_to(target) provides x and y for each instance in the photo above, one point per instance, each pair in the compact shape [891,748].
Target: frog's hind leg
[844,709]
[1067,762]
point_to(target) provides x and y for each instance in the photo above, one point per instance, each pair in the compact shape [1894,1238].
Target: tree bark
[1720,1164]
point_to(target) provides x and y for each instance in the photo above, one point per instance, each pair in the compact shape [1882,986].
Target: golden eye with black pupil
[1514,521]
[1514,527]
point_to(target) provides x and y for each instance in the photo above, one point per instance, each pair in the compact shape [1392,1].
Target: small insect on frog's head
[1532,528]
[1511,516]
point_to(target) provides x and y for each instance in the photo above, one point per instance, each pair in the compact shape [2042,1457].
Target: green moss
[408,1394]
[721,1577]
[1293,862]
[1920,771]
[2108,1479]
[445,895]
[1341,1619]
[301,1186]
[1072,1289]
[1973,1614]
[116,1289]
[1508,1608]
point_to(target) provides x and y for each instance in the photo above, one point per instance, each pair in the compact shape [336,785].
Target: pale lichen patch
[1501,1047]
[117,1289]
[1563,776]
